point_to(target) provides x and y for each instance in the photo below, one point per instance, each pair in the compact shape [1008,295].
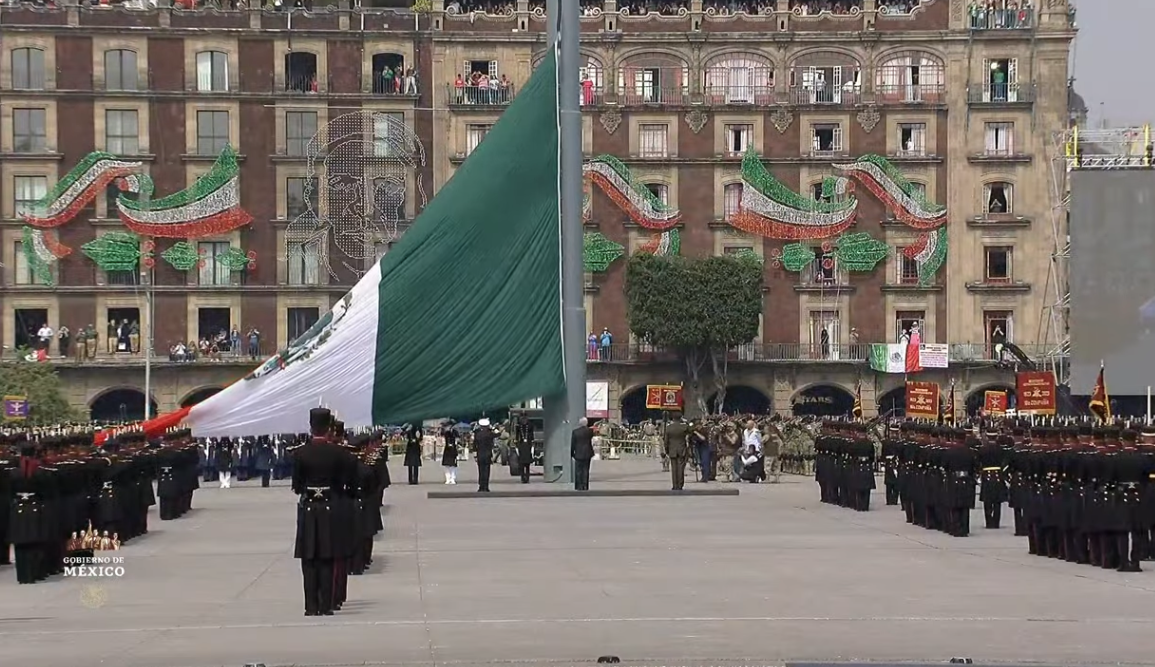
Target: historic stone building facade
[710,129]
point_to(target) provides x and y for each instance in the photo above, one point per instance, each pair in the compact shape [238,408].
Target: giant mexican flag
[462,315]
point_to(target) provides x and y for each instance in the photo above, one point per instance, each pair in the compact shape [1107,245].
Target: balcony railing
[848,94]
[1001,93]
[1001,19]
[911,93]
[740,94]
[655,95]
[161,355]
[402,85]
[804,352]
[480,95]
[301,83]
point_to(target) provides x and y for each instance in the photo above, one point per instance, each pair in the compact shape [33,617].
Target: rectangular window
[120,71]
[732,200]
[825,268]
[998,264]
[999,326]
[24,274]
[122,132]
[28,69]
[826,138]
[474,135]
[660,191]
[298,193]
[304,264]
[300,126]
[28,191]
[738,138]
[212,132]
[386,124]
[299,320]
[912,139]
[214,272]
[998,198]
[825,331]
[907,268]
[29,131]
[907,321]
[653,140]
[212,72]
[1000,139]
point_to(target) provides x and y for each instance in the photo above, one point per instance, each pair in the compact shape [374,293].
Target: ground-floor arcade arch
[823,400]
[892,404]
[120,404]
[198,395]
[634,408]
[741,400]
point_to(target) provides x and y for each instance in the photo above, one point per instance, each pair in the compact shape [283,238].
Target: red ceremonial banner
[922,400]
[995,402]
[664,397]
[1035,391]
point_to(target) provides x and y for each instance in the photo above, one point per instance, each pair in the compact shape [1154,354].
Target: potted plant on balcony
[421,8]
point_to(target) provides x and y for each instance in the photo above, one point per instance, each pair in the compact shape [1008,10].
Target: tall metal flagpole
[146,335]
[563,412]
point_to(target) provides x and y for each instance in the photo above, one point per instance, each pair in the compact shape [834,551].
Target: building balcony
[1001,19]
[998,286]
[999,220]
[739,95]
[931,93]
[999,155]
[479,96]
[847,95]
[1001,94]
[852,353]
[641,96]
[222,355]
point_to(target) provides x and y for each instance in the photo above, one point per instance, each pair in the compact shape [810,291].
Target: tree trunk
[721,364]
[694,360]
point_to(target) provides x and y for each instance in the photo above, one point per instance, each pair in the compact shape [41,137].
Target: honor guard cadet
[890,450]
[523,440]
[483,440]
[993,489]
[677,450]
[321,470]
[413,440]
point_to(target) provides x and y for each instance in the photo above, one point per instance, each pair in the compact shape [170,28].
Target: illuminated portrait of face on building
[361,190]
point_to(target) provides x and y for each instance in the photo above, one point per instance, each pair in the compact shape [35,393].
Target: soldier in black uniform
[676,439]
[1132,472]
[992,463]
[523,440]
[483,440]
[321,471]
[413,439]
[891,448]
[7,468]
[959,465]
[861,480]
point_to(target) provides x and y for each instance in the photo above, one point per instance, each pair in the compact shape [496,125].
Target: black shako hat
[320,419]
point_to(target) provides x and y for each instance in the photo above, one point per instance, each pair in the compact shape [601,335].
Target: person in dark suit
[483,445]
[581,449]
[677,449]
[523,437]
[321,472]
[413,438]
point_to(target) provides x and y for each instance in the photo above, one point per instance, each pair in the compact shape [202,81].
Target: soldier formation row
[1081,494]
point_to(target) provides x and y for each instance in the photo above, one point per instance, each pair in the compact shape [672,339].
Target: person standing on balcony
[411,82]
[45,335]
[235,341]
[593,347]
[254,343]
[134,337]
[65,338]
[607,342]
[110,336]
[91,340]
[387,85]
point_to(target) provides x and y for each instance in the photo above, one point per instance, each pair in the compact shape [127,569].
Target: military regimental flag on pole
[948,411]
[462,315]
[1100,399]
[857,409]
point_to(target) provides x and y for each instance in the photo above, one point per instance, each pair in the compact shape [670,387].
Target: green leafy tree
[698,309]
[41,386]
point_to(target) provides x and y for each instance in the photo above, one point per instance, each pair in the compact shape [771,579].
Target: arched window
[739,79]
[918,190]
[212,72]
[825,77]
[998,198]
[816,192]
[28,69]
[120,71]
[593,81]
[661,191]
[911,77]
[732,200]
[653,79]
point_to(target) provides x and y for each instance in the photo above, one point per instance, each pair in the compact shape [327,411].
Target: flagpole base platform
[461,494]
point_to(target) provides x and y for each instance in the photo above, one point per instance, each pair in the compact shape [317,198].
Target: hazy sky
[1109,59]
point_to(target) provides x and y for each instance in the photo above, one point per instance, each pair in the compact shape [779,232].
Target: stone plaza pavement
[764,578]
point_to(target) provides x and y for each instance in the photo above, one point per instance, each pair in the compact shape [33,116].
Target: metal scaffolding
[1076,148]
